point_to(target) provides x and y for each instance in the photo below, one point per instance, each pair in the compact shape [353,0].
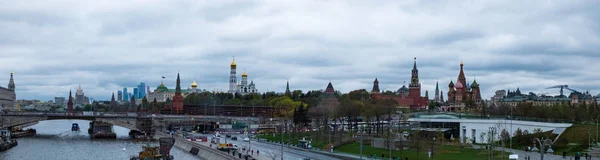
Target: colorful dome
[161,87]
[451,85]
[459,85]
[475,84]
[244,74]
[194,84]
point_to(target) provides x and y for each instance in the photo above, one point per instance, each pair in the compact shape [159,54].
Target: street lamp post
[361,142]
[285,121]
[511,131]
[544,142]
[204,119]
[491,141]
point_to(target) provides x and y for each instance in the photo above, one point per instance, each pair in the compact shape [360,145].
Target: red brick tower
[414,88]
[178,98]
[70,103]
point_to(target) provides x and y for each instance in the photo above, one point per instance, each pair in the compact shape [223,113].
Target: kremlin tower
[232,77]
[178,98]
[413,99]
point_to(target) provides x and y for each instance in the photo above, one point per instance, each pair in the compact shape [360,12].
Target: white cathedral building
[244,87]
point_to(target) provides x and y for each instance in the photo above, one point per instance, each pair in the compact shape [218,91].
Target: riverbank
[198,150]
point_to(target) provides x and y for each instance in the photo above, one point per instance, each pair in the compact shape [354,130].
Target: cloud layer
[105,45]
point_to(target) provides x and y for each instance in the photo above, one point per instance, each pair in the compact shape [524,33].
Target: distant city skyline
[503,45]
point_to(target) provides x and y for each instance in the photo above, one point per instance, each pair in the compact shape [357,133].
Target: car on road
[228,135]
[246,139]
[234,138]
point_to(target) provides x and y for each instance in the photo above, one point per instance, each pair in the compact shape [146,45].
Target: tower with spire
[288,93]
[242,88]
[113,103]
[437,92]
[375,89]
[70,102]
[11,82]
[414,88]
[233,77]
[79,96]
[178,98]
[405,97]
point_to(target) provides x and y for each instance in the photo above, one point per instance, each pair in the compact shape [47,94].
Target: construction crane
[563,87]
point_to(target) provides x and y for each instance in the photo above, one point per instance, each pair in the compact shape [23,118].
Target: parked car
[228,136]
[234,138]
[246,139]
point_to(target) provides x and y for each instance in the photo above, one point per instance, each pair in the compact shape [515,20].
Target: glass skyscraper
[125,95]
[135,93]
[141,89]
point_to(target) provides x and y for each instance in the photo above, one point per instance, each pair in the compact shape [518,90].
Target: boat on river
[75,127]
[18,132]
[5,141]
[101,130]
[161,152]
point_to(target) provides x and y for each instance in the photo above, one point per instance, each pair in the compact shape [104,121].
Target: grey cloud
[504,44]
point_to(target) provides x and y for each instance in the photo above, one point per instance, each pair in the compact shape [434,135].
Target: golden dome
[244,74]
[233,62]
[461,63]
[194,84]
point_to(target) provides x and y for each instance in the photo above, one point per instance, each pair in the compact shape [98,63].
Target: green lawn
[294,138]
[445,152]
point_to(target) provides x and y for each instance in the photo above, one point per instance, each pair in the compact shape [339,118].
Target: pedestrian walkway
[537,156]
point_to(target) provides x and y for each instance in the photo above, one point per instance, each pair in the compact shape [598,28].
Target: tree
[359,95]
[271,154]
[518,132]
[417,141]
[87,107]
[537,130]
[144,105]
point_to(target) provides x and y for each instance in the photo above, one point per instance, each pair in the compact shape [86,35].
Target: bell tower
[414,88]
[232,77]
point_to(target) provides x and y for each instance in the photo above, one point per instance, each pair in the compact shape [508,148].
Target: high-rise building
[135,93]
[79,96]
[59,101]
[125,95]
[120,96]
[141,88]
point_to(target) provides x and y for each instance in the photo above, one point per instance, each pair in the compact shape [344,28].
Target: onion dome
[233,63]
[161,87]
[468,86]
[451,85]
[244,74]
[194,84]
[459,85]
[475,84]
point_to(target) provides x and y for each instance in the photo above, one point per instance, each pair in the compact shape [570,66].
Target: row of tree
[575,113]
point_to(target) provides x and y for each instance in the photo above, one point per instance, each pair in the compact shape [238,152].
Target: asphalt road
[264,148]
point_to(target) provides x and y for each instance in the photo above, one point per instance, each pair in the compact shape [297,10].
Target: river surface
[55,141]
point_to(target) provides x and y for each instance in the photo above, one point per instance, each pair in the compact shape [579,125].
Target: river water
[55,141]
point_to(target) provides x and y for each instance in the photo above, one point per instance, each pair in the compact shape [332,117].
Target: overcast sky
[107,45]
